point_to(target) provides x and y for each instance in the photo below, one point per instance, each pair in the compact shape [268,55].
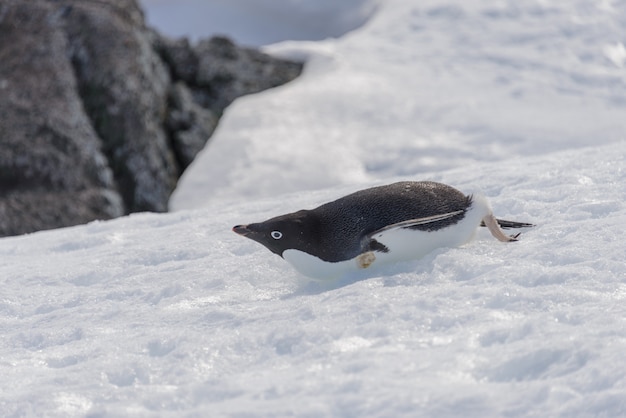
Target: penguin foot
[366,259]
[492,224]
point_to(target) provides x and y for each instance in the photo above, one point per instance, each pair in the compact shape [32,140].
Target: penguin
[377,226]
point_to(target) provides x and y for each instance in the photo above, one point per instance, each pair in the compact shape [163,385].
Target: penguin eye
[276,234]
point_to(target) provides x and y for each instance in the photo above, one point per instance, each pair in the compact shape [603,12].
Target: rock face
[100,115]
[52,168]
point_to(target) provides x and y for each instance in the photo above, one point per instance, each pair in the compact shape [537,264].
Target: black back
[343,224]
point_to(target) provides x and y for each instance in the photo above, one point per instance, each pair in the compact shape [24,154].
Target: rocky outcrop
[100,115]
[52,168]
[209,77]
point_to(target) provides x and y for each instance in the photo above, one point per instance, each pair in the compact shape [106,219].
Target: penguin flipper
[415,222]
[399,238]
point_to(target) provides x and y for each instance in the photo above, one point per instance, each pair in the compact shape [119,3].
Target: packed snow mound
[423,87]
[173,314]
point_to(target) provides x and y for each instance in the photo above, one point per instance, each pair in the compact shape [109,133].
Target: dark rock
[99,115]
[179,56]
[218,71]
[226,72]
[189,124]
[215,73]
[124,87]
[52,170]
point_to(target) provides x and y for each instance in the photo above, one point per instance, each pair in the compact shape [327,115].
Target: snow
[422,88]
[164,315]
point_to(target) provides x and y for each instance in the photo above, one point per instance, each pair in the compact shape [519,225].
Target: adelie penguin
[376,226]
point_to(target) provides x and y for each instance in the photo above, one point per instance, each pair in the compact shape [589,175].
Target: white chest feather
[403,244]
[315,267]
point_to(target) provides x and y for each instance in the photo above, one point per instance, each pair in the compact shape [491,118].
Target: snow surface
[421,88]
[168,315]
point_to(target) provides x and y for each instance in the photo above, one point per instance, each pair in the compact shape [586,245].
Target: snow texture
[169,315]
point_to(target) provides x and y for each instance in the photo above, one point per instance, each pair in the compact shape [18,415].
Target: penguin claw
[514,238]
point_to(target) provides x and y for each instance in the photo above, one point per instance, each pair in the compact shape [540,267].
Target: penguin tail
[504,224]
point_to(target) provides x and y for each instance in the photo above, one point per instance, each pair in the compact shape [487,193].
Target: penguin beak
[242,230]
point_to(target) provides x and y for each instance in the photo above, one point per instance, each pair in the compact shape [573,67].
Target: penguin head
[285,232]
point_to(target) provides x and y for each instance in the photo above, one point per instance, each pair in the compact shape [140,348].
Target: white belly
[316,268]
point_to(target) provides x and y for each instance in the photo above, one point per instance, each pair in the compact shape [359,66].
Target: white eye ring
[276,234]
